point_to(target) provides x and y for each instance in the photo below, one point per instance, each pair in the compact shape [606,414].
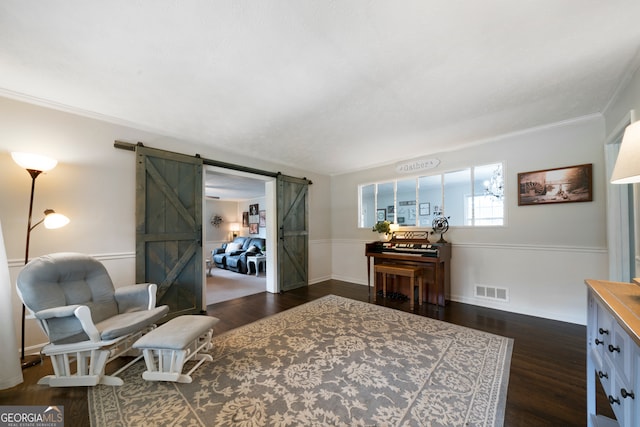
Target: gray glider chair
[86,319]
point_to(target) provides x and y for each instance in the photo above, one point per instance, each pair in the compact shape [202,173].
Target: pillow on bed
[232,247]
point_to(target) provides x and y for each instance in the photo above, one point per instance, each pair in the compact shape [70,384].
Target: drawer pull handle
[613,349]
[598,342]
[626,394]
[603,331]
[613,400]
[603,374]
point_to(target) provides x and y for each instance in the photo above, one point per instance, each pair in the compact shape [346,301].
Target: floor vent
[490,292]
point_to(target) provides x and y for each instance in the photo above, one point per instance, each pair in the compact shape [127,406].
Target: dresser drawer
[623,401]
[602,333]
[621,350]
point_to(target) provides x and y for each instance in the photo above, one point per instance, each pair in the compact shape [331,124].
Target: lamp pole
[23,361]
[34,174]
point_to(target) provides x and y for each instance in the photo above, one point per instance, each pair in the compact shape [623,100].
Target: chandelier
[495,186]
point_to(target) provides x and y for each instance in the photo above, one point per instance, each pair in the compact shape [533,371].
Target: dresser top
[623,301]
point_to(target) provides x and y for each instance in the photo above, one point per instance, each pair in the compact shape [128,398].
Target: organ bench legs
[412,272]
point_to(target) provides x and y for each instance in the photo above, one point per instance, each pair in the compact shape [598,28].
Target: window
[487,210]
[457,185]
[468,197]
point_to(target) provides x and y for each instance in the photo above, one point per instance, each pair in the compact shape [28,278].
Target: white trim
[623,83]
[42,102]
[18,263]
[521,247]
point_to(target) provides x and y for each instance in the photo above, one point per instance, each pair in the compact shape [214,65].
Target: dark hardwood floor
[547,383]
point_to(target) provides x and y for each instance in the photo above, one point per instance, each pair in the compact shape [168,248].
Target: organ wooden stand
[412,249]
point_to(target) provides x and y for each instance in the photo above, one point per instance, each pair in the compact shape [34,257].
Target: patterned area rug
[330,362]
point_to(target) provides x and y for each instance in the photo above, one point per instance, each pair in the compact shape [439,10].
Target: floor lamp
[35,165]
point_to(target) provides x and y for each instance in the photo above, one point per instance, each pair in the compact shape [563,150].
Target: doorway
[227,195]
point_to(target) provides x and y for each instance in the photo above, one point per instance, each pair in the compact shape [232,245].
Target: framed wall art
[253,214]
[245,219]
[263,219]
[560,185]
[381,215]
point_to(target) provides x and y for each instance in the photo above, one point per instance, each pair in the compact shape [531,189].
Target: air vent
[492,293]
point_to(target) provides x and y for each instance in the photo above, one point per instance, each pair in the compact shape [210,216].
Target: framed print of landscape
[560,185]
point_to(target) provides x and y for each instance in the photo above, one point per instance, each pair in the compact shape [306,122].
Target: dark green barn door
[293,236]
[169,227]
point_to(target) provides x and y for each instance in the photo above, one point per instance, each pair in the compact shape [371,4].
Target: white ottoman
[169,346]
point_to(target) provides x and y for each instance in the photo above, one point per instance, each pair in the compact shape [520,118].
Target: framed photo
[263,219]
[245,219]
[253,228]
[425,209]
[253,214]
[391,209]
[381,215]
[560,185]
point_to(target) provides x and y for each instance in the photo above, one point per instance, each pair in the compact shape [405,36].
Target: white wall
[94,184]
[216,236]
[543,253]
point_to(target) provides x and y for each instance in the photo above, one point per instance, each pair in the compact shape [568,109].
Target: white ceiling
[223,185]
[325,86]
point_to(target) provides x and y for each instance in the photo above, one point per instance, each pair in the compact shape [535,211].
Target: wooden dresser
[613,350]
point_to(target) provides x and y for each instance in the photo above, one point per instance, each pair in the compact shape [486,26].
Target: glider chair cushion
[84,316]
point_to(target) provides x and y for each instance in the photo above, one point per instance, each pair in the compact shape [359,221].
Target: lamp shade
[234,226]
[54,220]
[34,161]
[627,168]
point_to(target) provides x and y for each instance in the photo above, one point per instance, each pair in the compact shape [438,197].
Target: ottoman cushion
[177,333]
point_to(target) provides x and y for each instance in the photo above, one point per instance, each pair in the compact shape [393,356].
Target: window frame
[435,209]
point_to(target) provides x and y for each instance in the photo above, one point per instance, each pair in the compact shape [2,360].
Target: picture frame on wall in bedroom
[559,185]
[245,219]
[263,219]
